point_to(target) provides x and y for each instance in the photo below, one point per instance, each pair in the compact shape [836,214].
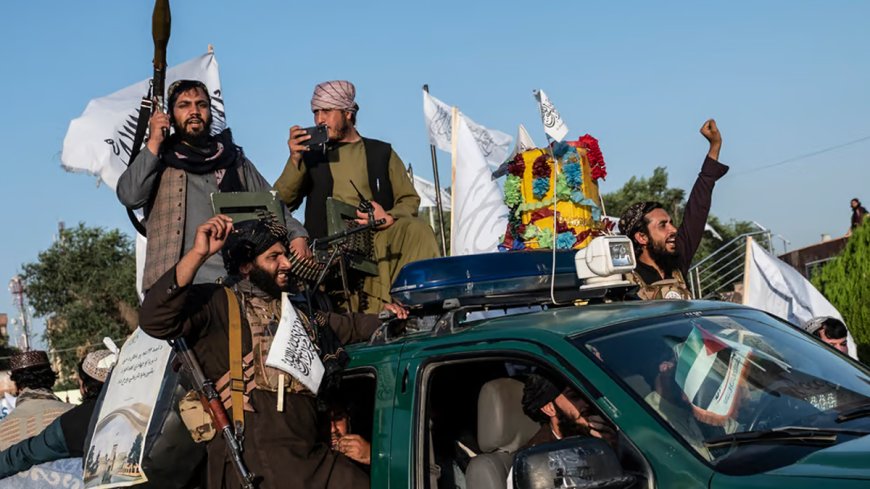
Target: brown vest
[263,316]
[165,224]
[671,288]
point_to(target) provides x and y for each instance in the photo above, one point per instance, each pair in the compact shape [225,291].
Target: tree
[845,281]
[84,284]
[654,188]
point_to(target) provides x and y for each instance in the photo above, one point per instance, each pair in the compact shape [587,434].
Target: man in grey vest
[173,178]
[36,406]
[347,161]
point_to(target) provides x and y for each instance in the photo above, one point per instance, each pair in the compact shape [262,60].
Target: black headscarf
[249,239]
[218,152]
[537,392]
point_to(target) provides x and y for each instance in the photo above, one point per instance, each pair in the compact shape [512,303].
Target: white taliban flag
[292,350]
[524,141]
[494,145]
[774,286]
[426,190]
[100,141]
[554,126]
[480,216]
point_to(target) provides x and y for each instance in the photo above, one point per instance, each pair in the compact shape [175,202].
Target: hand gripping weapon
[161,25]
[211,400]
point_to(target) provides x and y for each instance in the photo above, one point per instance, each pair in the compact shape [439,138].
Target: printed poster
[114,458]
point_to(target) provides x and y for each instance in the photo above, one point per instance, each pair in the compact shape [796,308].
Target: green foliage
[85,285]
[654,188]
[845,281]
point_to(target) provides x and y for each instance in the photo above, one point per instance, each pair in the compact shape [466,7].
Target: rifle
[211,400]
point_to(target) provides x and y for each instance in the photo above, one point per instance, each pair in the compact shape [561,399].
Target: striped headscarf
[336,94]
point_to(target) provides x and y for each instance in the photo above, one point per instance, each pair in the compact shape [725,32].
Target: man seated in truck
[562,412]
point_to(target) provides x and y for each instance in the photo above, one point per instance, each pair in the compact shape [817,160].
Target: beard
[339,132]
[265,281]
[568,426]
[666,260]
[196,138]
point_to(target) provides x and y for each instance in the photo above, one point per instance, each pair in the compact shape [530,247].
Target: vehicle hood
[848,460]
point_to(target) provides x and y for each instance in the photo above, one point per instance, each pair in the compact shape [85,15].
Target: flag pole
[454,128]
[748,260]
[437,192]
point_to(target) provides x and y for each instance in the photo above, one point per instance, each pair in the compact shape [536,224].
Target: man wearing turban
[663,251]
[349,160]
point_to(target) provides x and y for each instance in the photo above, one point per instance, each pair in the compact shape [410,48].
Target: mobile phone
[319,135]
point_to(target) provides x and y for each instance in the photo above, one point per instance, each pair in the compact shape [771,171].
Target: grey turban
[336,94]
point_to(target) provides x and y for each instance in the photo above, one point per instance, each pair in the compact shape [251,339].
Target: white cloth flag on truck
[494,145]
[479,214]
[774,286]
[292,350]
[426,190]
[554,126]
[100,141]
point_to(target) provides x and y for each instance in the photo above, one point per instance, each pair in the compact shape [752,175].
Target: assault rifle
[211,400]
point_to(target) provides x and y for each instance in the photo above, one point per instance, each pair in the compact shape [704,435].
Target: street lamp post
[19,291]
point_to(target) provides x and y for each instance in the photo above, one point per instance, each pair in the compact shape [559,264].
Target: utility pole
[19,294]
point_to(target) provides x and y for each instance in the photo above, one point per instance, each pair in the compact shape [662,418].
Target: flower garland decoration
[573,174]
[545,238]
[565,240]
[530,233]
[513,194]
[567,185]
[518,166]
[563,189]
[540,187]
[596,158]
[541,170]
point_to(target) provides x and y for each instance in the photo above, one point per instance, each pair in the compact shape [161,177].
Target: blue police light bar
[519,277]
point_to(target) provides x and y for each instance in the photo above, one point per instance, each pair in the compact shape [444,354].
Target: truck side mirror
[577,462]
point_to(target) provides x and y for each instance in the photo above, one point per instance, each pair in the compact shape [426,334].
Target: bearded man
[664,252]
[173,178]
[349,162]
[281,444]
[561,411]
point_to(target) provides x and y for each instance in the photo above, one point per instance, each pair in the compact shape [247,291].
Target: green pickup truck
[701,394]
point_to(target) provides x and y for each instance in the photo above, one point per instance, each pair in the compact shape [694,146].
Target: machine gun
[211,401]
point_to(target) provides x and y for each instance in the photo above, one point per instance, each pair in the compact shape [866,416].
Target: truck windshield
[738,372]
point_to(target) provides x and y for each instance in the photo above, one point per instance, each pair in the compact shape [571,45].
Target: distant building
[809,259]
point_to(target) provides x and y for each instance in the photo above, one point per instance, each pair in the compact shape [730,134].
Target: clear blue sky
[782,78]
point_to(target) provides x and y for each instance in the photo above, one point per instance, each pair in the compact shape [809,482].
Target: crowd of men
[202,270]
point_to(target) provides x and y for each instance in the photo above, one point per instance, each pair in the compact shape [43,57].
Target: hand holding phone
[319,135]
